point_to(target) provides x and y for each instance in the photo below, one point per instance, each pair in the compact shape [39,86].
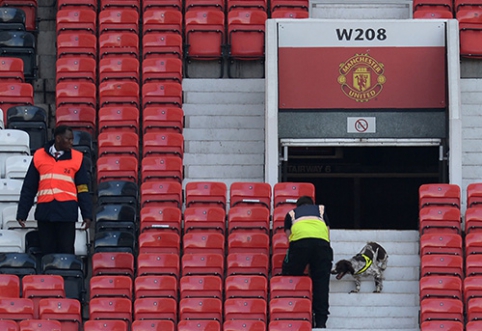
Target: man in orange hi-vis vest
[58,177]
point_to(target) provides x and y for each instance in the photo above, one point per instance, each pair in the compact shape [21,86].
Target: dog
[371,261]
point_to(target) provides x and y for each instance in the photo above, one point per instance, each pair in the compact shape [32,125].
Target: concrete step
[222,159]
[393,248]
[381,236]
[211,109]
[371,323]
[224,122]
[347,284]
[246,173]
[367,329]
[223,85]
[374,312]
[375,299]
[240,135]
[230,147]
[398,260]
[242,98]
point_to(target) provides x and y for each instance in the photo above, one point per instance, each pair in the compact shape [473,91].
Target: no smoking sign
[361,125]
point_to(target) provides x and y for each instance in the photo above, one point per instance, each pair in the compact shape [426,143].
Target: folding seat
[89,4]
[119,69]
[153,325]
[472,243]
[37,287]
[77,44]
[194,325]
[111,286]
[162,45]
[118,143]
[11,69]
[157,264]
[119,20]
[76,94]
[279,243]
[9,218]
[160,218]
[156,286]
[16,166]
[201,286]
[436,219]
[161,69]
[113,263]
[204,219]
[290,287]
[289,192]
[291,12]
[77,117]
[204,35]
[470,326]
[245,308]
[442,264]
[470,31]
[440,286]
[474,194]
[473,265]
[21,44]
[156,19]
[116,217]
[474,309]
[30,9]
[9,286]
[76,19]
[161,193]
[245,325]
[260,5]
[124,4]
[162,94]
[202,264]
[201,309]
[115,44]
[114,241]
[246,286]
[31,119]
[119,93]
[117,167]
[163,143]
[8,325]
[445,4]
[158,241]
[472,288]
[162,167]
[162,119]
[12,19]
[105,325]
[248,193]
[285,325]
[439,194]
[16,309]
[167,4]
[441,243]
[19,264]
[40,325]
[432,12]
[206,193]
[111,309]
[205,241]
[15,94]
[13,241]
[244,242]
[76,69]
[202,4]
[71,268]
[10,192]
[248,219]
[67,311]
[247,264]
[117,191]
[466,7]
[290,309]
[155,309]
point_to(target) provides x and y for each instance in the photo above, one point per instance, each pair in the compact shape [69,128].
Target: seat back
[246,286]
[155,309]
[165,264]
[165,286]
[201,286]
[246,193]
[245,308]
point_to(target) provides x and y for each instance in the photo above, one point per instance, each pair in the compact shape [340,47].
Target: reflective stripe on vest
[312,226]
[57,177]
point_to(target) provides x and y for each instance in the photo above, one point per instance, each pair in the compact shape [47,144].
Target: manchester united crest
[361,77]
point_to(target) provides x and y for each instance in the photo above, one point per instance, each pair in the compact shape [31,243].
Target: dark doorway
[366,187]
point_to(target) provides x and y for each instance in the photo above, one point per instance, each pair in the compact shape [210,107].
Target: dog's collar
[368,263]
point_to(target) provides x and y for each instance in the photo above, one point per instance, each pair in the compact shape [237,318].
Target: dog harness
[368,263]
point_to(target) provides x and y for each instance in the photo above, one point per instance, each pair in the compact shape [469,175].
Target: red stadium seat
[441,287]
[446,4]
[39,325]
[247,264]
[201,309]
[279,214]
[76,20]
[201,286]
[119,118]
[12,69]
[248,193]
[155,309]
[76,94]
[161,69]
[472,287]
[290,287]
[82,118]
[117,167]
[160,218]
[206,193]
[442,264]
[162,119]
[153,325]
[158,19]
[8,325]
[15,94]
[261,5]
[162,167]
[168,4]
[432,12]
[299,5]
[16,309]
[439,194]
[244,242]
[474,309]
[76,44]
[9,286]
[158,241]
[162,44]
[279,243]
[111,286]
[441,309]
[90,4]
[474,193]
[248,219]
[246,286]
[119,20]
[204,219]
[163,143]
[66,311]
[470,31]
[442,325]
[277,263]
[195,325]
[289,325]
[36,287]
[473,266]
[115,44]
[473,245]
[471,326]
[121,68]
[113,263]
[245,325]
[202,4]
[245,308]
[246,33]
[161,193]
[160,286]
[153,264]
[438,219]
[441,243]
[76,69]
[473,219]
[162,94]
[290,309]
[203,242]
[105,325]
[118,143]
[111,309]
[289,192]
[202,264]
[125,4]
[119,93]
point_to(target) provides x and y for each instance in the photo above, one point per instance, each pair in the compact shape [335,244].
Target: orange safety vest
[57,178]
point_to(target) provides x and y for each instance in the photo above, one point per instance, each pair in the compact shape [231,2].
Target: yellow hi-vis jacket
[307,222]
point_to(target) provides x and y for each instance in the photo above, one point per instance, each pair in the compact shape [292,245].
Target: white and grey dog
[371,261]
